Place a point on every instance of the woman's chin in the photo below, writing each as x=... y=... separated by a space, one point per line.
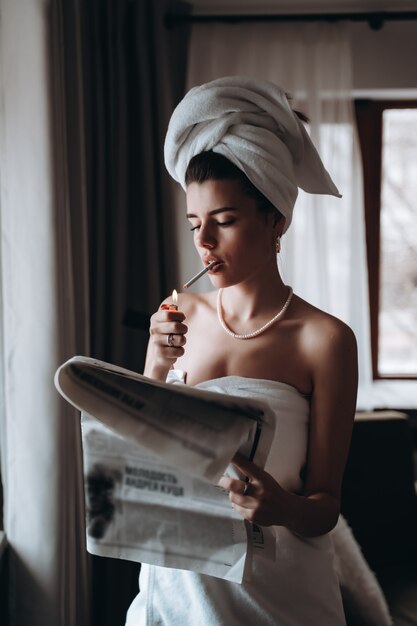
x=221 y=282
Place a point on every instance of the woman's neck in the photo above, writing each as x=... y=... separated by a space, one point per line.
x=256 y=297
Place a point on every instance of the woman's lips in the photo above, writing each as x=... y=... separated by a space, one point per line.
x=211 y=260
x=216 y=267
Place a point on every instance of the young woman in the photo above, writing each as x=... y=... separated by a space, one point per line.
x=241 y=153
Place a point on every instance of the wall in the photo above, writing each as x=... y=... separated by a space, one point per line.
x=384 y=60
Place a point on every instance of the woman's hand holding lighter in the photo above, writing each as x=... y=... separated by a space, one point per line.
x=167 y=340
x=167 y=334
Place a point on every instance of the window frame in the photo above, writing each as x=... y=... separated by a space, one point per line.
x=369 y=114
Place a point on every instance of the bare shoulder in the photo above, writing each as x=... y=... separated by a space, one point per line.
x=192 y=303
x=325 y=339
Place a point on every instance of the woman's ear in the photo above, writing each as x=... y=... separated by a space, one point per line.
x=279 y=224
x=279 y=219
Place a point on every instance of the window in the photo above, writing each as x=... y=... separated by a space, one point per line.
x=388 y=137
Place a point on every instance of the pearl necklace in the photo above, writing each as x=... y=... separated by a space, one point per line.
x=260 y=330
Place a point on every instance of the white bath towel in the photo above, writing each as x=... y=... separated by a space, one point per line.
x=251 y=123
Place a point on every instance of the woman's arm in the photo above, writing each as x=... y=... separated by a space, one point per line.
x=334 y=364
x=330 y=352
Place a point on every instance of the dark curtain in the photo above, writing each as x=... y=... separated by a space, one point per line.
x=134 y=76
x=134 y=71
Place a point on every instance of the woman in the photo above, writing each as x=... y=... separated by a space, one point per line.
x=241 y=153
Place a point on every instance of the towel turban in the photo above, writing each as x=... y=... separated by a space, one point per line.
x=251 y=123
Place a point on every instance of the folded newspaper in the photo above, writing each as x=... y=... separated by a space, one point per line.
x=153 y=454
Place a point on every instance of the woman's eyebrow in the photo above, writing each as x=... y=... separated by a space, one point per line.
x=216 y=211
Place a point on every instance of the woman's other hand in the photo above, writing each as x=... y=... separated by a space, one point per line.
x=259 y=499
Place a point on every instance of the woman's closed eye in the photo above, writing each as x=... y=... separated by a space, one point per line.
x=223 y=224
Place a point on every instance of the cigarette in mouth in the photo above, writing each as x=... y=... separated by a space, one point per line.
x=199 y=275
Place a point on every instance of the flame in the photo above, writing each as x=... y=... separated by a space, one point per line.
x=175 y=297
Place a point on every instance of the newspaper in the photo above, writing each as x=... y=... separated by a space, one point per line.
x=153 y=454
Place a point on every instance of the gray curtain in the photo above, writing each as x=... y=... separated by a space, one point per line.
x=131 y=67
x=134 y=74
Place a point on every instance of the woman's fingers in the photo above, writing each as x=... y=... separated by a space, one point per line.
x=252 y=471
x=162 y=315
x=170 y=339
x=228 y=483
x=167 y=335
x=258 y=498
x=164 y=328
x=168 y=330
x=236 y=487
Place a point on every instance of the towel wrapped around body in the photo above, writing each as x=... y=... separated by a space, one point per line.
x=291 y=581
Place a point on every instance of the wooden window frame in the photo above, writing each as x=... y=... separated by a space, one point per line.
x=369 y=123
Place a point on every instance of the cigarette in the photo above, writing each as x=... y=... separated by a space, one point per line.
x=199 y=275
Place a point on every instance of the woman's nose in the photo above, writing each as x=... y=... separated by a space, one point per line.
x=205 y=237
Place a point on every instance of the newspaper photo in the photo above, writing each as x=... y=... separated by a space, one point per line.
x=153 y=453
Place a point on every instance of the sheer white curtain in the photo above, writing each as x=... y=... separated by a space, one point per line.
x=324 y=255
x=41 y=324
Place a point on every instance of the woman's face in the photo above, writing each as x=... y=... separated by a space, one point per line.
x=228 y=227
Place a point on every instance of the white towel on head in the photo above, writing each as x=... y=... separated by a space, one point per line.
x=251 y=123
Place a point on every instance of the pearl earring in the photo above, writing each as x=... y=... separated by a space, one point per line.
x=278 y=244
